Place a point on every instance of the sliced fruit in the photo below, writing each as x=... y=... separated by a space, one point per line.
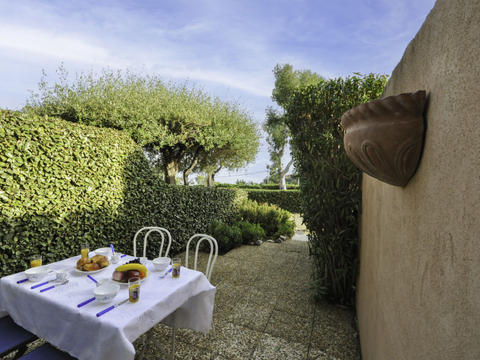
x=138 y=267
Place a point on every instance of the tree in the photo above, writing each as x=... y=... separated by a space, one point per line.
x=172 y=123
x=278 y=134
x=233 y=155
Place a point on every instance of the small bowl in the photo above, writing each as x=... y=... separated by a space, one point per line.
x=106 y=292
x=61 y=275
x=161 y=263
x=37 y=273
x=115 y=258
x=104 y=252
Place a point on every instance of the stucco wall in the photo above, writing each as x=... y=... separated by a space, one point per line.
x=419 y=284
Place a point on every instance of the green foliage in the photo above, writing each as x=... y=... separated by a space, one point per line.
x=61 y=183
x=330 y=183
x=227 y=236
x=250 y=232
x=176 y=124
x=278 y=134
x=265 y=186
x=269 y=217
x=285 y=199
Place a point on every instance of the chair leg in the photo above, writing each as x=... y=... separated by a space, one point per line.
x=173 y=343
x=213 y=328
x=146 y=342
x=20 y=352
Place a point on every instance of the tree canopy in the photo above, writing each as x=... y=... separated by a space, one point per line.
x=278 y=135
x=175 y=124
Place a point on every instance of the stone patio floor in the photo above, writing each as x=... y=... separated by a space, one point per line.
x=264 y=309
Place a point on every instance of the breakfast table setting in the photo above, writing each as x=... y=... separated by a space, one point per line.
x=99 y=313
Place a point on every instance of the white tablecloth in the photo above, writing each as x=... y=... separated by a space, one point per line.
x=54 y=315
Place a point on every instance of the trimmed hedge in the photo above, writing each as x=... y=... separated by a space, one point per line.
x=330 y=183
x=62 y=183
x=288 y=200
x=257 y=186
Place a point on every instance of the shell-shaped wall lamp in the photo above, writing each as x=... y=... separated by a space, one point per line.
x=384 y=137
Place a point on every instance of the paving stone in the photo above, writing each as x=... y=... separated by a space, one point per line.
x=270 y=347
x=290 y=327
x=250 y=315
x=296 y=302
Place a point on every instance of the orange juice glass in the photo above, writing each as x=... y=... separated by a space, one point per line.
x=134 y=289
x=176 y=265
x=36 y=260
x=85 y=249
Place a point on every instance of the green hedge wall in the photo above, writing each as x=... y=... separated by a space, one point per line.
x=287 y=200
x=329 y=182
x=61 y=183
x=257 y=186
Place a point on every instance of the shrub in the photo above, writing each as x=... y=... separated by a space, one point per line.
x=61 y=183
x=329 y=182
x=250 y=232
x=227 y=236
x=288 y=200
x=269 y=217
x=257 y=186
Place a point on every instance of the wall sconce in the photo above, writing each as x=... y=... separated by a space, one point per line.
x=384 y=138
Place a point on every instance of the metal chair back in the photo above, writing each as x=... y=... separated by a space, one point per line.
x=213 y=252
x=151 y=229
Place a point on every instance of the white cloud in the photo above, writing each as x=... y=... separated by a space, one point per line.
x=59 y=46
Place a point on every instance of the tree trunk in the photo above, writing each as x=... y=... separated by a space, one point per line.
x=191 y=167
x=211 y=177
x=283 y=173
x=210 y=180
x=171 y=170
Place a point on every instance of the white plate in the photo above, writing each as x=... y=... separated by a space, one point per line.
x=122 y=283
x=91 y=272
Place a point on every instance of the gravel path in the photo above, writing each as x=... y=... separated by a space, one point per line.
x=264 y=309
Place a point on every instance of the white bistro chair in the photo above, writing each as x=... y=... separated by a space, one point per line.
x=208 y=270
x=149 y=230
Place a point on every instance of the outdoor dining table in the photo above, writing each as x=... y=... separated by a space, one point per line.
x=186 y=302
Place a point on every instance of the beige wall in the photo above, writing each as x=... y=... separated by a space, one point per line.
x=419 y=285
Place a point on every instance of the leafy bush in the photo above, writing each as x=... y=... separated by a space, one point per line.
x=329 y=182
x=269 y=217
x=288 y=200
x=257 y=186
x=250 y=232
x=61 y=183
x=227 y=236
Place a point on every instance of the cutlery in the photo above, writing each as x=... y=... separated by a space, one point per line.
x=21 y=281
x=41 y=284
x=86 y=302
x=165 y=273
x=51 y=287
x=91 y=278
x=111 y=307
x=113 y=250
x=123 y=255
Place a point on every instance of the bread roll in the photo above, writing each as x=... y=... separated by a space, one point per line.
x=81 y=262
x=91 y=267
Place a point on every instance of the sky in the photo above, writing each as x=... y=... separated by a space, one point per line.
x=226 y=48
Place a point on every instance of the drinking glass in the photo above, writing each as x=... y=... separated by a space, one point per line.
x=84 y=250
x=134 y=289
x=36 y=260
x=176 y=264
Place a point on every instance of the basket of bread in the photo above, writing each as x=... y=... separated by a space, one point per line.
x=95 y=263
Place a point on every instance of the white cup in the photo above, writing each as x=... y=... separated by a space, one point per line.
x=61 y=275
x=115 y=258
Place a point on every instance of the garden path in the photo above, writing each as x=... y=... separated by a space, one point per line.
x=264 y=309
